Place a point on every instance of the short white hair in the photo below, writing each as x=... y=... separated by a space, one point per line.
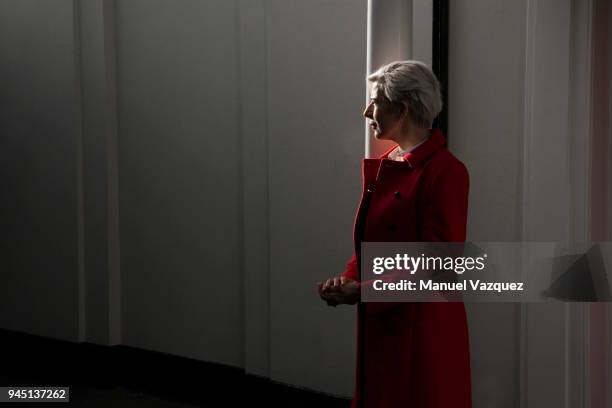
x=412 y=84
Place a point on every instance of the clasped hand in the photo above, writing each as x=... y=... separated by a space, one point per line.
x=339 y=290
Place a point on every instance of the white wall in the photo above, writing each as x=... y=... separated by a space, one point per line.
x=316 y=71
x=181 y=98
x=38 y=145
x=231 y=132
x=486 y=68
x=520 y=118
x=180 y=177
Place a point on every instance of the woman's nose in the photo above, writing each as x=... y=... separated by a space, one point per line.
x=367 y=113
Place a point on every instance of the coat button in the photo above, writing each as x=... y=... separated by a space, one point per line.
x=392 y=227
x=397 y=194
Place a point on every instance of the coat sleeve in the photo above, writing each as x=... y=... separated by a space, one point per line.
x=350 y=271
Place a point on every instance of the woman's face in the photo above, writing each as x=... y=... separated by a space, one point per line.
x=385 y=121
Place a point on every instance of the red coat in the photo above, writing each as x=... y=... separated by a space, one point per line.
x=412 y=354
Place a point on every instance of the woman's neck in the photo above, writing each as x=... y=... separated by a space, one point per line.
x=412 y=137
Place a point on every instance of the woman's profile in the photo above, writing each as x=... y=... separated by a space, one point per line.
x=408 y=354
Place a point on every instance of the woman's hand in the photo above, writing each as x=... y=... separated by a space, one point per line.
x=340 y=290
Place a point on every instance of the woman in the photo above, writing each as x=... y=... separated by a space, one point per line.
x=408 y=354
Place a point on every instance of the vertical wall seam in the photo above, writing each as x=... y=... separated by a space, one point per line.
x=111 y=133
x=268 y=220
x=570 y=159
x=78 y=131
x=531 y=23
x=241 y=186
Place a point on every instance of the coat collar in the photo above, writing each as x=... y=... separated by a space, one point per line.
x=422 y=152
